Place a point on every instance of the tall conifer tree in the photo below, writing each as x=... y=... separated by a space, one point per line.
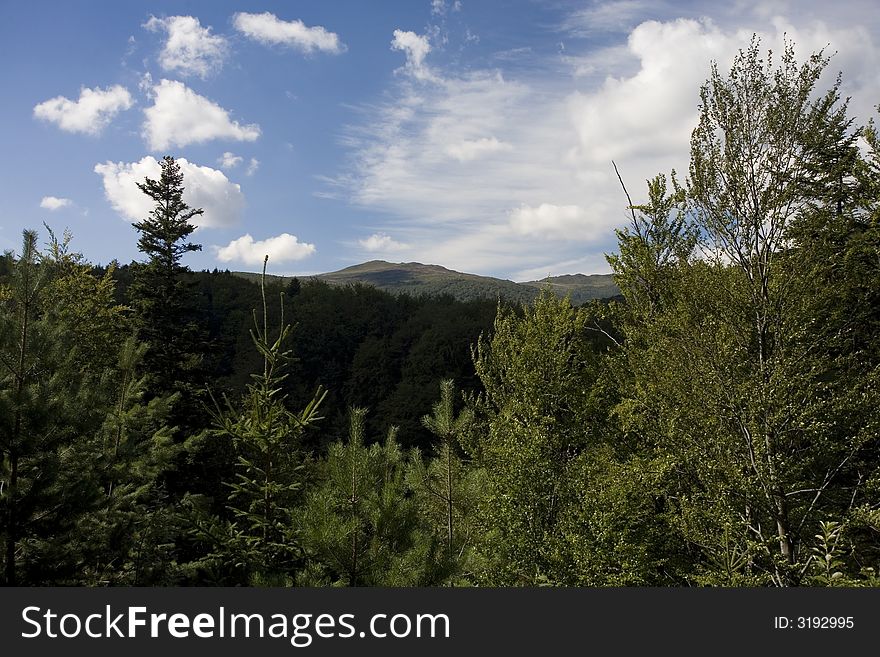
x=158 y=293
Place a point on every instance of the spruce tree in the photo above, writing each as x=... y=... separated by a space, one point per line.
x=158 y=293
x=128 y=540
x=169 y=222
x=17 y=397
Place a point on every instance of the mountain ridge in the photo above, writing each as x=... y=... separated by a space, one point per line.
x=416 y=278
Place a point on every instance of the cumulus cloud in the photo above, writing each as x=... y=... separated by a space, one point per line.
x=190 y=49
x=204 y=187
x=380 y=242
x=415 y=47
x=53 y=203
x=281 y=248
x=252 y=167
x=472 y=149
x=229 y=160
x=614 y=121
x=90 y=113
x=268 y=29
x=179 y=117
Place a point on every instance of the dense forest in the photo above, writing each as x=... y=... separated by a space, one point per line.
x=717 y=424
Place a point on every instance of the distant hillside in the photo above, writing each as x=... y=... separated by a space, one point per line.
x=581 y=287
x=415 y=278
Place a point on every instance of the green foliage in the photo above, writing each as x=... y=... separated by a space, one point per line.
x=129 y=540
x=716 y=425
x=659 y=238
x=447 y=491
x=733 y=379
x=386 y=353
x=537 y=373
x=570 y=498
x=827 y=554
x=266 y=437
x=32 y=399
x=158 y=293
x=84 y=303
x=617 y=531
x=359 y=526
x=81 y=453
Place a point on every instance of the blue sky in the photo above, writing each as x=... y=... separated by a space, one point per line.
x=477 y=135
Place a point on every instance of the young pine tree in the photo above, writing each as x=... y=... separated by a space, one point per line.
x=267 y=438
x=447 y=490
x=360 y=527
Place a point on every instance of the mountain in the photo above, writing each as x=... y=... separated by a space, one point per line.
x=415 y=278
x=581 y=287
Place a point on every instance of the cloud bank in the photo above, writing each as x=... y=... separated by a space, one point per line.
x=511 y=173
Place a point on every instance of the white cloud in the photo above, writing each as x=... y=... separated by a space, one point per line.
x=415 y=47
x=252 y=167
x=54 y=203
x=550 y=221
x=90 y=114
x=380 y=242
x=559 y=134
x=145 y=84
x=281 y=248
x=179 y=117
x=472 y=149
x=204 y=187
x=609 y=16
x=268 y=29
x=190 y=48
x=229 y=160
x=442 y=7
x=649 y=115
x=403 y=152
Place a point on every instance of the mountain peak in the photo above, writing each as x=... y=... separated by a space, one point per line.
x=418 y=278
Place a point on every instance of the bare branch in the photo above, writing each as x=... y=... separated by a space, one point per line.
x=628 y=198
x=599 y=329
